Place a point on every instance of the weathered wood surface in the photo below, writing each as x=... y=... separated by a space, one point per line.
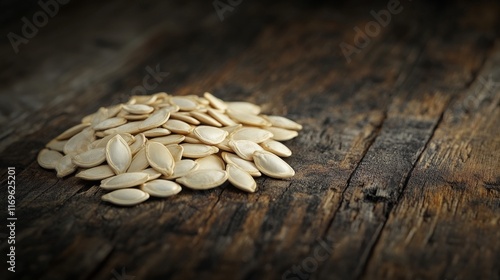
x=398 y=169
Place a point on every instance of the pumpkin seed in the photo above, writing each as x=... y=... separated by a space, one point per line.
x=118 y=154
x=272 y=165
x=246 y=165
x=65 y=166
x=282 y=134
x=282 y=122
x=96 y=173
x=138 y=109
x=254 y=134
x=49 y=159
x=160 y=158
x=276 y=148
x=126 y=197
x=240 y=179
x=210 y=162
x=170 y=139
x=161 y=188
x=124 y=180
x=110 y=123
x=139 y=161
x=178 y=126
x=244 y=148
x=70 y=132
x=203 y=179
x=198 y=150
x=183 y=167
x=90 y=158
x=210 y=135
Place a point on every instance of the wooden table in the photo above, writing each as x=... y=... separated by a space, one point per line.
x=398 y=169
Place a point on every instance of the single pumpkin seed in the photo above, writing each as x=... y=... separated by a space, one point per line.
x=124 y=180
x=49 y=159
x=244 y=148
x=279 y=121
x=139 y=161
x=198 y=150
x=65 y=166
x=126 y=197
x=282 y=134
x=118 y=154
x=254 y=134
x=138 y=109
x=110 y=123
x=160 y=158
x=214 y=101
x=246 y=165
x=211 y=162
x=170 y=139
x=90 y=158
x=96 y=173
x=240 y=179
x=161 y=188
x=203 y=179
x=272 y=165
x=157 y=132
x=210 y=135
x=182 y=168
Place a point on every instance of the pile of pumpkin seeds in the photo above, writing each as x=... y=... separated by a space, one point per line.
x=153 y=144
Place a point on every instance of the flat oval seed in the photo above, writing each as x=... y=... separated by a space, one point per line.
x=211 y=162
x=157 y=132
x=246 y=165
x=232 y=128
x=240 y=179
x=124 y=180
x=70 y=132
x=176 y=151
x=159 y=158
x=152 y=173
x=170 y=139
x=272 y=165
x=243 y=107
x=254 y=134
x=90 y=158
x=80 y=142
x=96 y=173
x=244 y=148
x=56 y=145
x=138 y=109
x=248 y=119
x=161 y=188
x=221 y=117
x=279 y=121
x=139 y=143
x=139 y=161
x=185 y=104
x=118 y=154
x=210 y=135
x=126 y=197
x=276 y=148
x=206 y=119
x=131 y=127
x=203 y=179
x=182 y=168
x=177 y=126
x=132 y=117
x=185 y=117
x=214 y=101
x=281 y=134
x=49 y=159
x=65 y=166
x=198 y=150
x=156 y=119
x=110 y=123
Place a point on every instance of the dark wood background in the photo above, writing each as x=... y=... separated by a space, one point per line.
x=398 y=169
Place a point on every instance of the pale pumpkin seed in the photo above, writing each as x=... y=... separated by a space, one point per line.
x=49 y=159
x=118 y=154
x=159 y=158
x=124 y=180
x=126 y=197
x=203 y=179
x=272 y=165
x=240 y=179
x=161 y=188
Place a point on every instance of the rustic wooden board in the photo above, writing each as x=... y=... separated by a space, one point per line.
x=398 y=165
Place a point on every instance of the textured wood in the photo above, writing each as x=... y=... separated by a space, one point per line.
x=397 y=166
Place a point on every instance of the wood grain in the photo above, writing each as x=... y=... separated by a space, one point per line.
x=397 y=165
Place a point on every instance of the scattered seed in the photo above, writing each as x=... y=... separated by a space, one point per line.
x=159 y=158
x=90 y=158
x=210 y=135
x=240 y=179
x=282 y=134
x=126 y=197
x=203 y=179
x=96 y=173
x=125 y=180
x=161 y=188
x=272 y=165
x=118 y=154
x=49 y=159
